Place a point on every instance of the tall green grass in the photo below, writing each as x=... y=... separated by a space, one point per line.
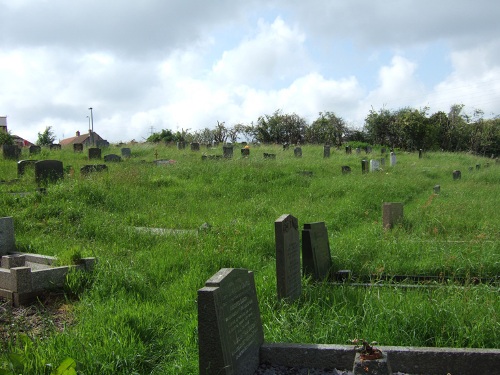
x=138 y=314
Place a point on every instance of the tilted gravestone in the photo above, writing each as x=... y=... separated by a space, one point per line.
x=77 y=147
x=316 y=257
x=7 y=240
x=126 y=152
x=11 y=152
x=112 y=158
x=230 y=330
x=227 y=151
x=48 y=171
x=35 y=150
x=288 y=273
x=86 y=169
x=297 y=151
x=94 y=153
x=326 y=151
x=392 y=213
x=22 y=165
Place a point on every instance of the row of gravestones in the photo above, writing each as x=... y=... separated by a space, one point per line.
x=13 y=152
x=52 y=170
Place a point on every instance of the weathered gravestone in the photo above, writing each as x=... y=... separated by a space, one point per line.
x=245 y=152
x=227 y=151
x=269 y=156
x=288 y=273
x=326 y=151
x=86 y=169
x=348 y=150
x=55 y=147
x=94 y=153
x=420 y=153
x=11 y=152
x=382 y=162
x=393 y=159
x=358 y=150
x=77 y=147
x=48 y=171
x=297 y=151
x=126 y=152
x=457 y=175
x=346 y=169
x=112 y=158
x=195 y=146
x=392 y=213
x=374 y=165
x=364 y=166
x=101 y=143
x=22 y=165
x=181 y=145
x=229 y=325
x=316 y=257
x=437 y=189
x=35 y=150
x=7 y=240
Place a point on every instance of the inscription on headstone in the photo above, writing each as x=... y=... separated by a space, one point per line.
x=288 y=273
x=316 y=257
x=230 y=330
x=392 y=213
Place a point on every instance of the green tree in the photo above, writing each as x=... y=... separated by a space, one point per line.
x=165 y=135
x=328 y=128
x=46 y=138
x=6 y=138
x=380 y=127
x=280 y=128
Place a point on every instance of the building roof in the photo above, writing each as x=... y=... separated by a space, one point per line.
x=78 y=139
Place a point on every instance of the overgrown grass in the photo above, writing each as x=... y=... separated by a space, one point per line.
x=138 y=314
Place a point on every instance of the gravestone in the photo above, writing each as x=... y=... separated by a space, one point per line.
x=348 y=150
x=478 y=167
x=286 y=146
x=101 y=143
x=326 y=151
x=181 y=145
x=77 y=147
x=227 y=151
x=94 y=153
x=393 y=159
x=126 y=152
x=195 y=146
x=358 y=150
x=374 y=165
x=22 y=165
x=437 y=189
x=7 y=240
x=297 y=151
x=112 y=158
x=392 y=213
x=230 y=330
x=316 y=257
x=457 y=175
x=269 y=156
x=55 y=147
x=382 y=162
x=420 y=153
x=382 y=150
x=35 y=150
x=288 y=273
x=48 y=171
x=346 y=169
x=245 y=152
x=364 y=166
x=11 y=152
x=368 y=150
x=86 y=169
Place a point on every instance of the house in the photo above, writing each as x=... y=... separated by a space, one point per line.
x=89 y=139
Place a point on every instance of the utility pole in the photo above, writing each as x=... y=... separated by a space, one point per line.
x=92 y=131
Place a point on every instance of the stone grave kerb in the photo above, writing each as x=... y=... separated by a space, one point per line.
x=288 y=267
x=230 y=330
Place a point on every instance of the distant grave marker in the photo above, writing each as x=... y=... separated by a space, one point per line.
x=227 y=151
x=457 y=175
x=35 y=150
x=48 y=171
x=297 y=151
x=392 y=213
x=195 y=146
x=346 y=169
x=269 y=156
x=86 y=169
x=374 y=165
x=393 y=159
x=245 y=152
x=11 y=152
x=364 y=166
x=126 y=152
x=437 y=189
x=181 y=145
x=316 y=257
x=77 y=147
x=420 y=154
x=288 y=273
x=112 y=158
x=94 y=153
x=326 y=151
x=230 y=330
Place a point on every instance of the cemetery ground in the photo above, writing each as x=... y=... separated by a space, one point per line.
x=137 y=313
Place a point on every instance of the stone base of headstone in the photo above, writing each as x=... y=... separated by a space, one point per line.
x=371 y=367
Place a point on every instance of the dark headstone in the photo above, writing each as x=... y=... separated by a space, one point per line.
x=348 y=150
x=126 y=152
x=285 y=146
x=101 y=143
x=392 y=213
x=230 y=330
x=94 y=153
x=420 y=153
x=316 y=257
x=364 y=166
x=437 y=189
x=326 y=151
x=55 y=147
x=346 y=169
x=35 y=150
x=227 y=151
x=457 y=175
x=7 y=238
x=478 y=166
x=382 y=150
x=358 y=150
x=269 y=156
x=112 y=158
x=48 y=171
x=368 y=150
x=22 y=165
x=77 y=147
x=297 y=151
x=181 y=145
x=245 y=152
x=195 y=146
x=11 y=152
x=288 y=273
x=86 y=169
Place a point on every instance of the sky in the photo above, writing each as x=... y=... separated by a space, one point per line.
x=148 y=65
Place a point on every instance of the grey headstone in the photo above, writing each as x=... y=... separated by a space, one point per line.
x=101 y=143
x=393 y=159
x=77 y=147
x=195 y=146
x=7 y=240
x=392 y=213
x=94 y=153
x=48 y=171
x=23 y=164
x=326 y=151
x=126 y=152
x=86 y=169
x=457 y=175
x=297 y=151
x=227 y=151
x=35 y=150
x=55 y=147
x=316 y=257
x=288 y=273
x=245 y=152
x=11 y=152
x=437 y=189
x=112 y=158
x=374 y=165
x=230 y=330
